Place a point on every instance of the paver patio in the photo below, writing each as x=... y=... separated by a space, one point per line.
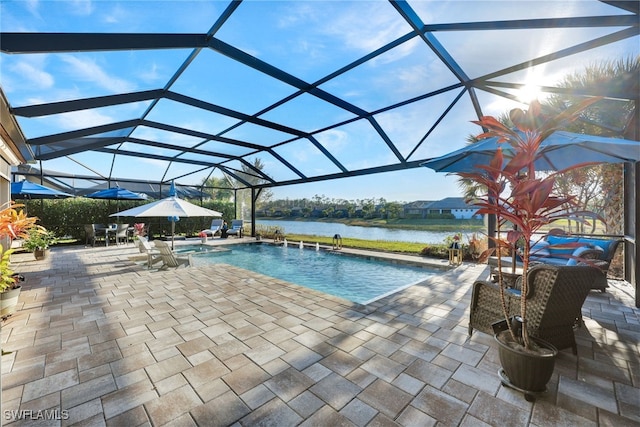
x=104 y=341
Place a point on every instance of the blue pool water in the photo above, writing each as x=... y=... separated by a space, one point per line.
x=354 y=278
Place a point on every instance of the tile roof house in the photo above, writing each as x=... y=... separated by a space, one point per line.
x=455 y=206
x=417 y=208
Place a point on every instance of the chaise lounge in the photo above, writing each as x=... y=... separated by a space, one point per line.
x=214 y=228
x=237 y=228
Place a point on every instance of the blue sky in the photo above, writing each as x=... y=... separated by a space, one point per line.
x=307 y=39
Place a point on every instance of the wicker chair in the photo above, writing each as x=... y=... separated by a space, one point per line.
x=556 y=295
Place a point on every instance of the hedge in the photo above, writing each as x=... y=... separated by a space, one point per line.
x=66 y=217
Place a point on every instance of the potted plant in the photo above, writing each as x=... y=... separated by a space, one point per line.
x=522 y=198
x=38 y=241
x=14 y=223
x=203 y=236
x=138 y=229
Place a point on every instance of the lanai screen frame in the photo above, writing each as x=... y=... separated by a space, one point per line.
x=52 y=146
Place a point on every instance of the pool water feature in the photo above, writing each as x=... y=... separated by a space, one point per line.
x=358 y=279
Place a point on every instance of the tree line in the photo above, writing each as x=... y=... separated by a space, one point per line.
x=325 y=207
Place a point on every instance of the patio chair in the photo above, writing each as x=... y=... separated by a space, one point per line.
x=169 y=258
x=122 y=233
x=89 y=235
x=554 y=304
x=236 y=229
x=153 y=256
x=92 y=234
x=214 y=228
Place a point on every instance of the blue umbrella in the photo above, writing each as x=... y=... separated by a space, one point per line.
x=557 y=152
x=117 y=193
x=29 y=190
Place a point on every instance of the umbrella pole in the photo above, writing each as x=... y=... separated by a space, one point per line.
x=173 y=230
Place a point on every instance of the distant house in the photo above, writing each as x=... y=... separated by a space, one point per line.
x=416 y=209
x=455 y=206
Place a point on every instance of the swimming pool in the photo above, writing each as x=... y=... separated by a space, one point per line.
x=357 y=279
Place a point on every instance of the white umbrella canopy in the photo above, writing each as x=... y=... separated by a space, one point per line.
x=171 y=207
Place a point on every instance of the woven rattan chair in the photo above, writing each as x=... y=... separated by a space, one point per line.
x=556 y=295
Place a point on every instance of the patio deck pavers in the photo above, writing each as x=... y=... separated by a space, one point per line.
x=105 y=341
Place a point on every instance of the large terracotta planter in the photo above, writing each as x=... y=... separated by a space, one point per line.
x=526 y=371
x=8 y=302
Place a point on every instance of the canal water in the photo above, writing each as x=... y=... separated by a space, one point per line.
x=356 y=232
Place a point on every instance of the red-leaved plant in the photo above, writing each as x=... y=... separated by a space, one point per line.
x=138 y=229
x=519 y=196
x=14 y=223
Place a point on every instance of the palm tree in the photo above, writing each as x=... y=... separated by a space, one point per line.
x=252 y=177
x=611 y=117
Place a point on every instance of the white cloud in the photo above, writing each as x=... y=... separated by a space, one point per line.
x=150 y=74
x=116 y=15
x=32 y=6
x=300 y=14
x=88 y=70
x=34 y=75
x=333 y=140
x=81 y=7
x=357 y=28
x=367 y=29
x=82 y=119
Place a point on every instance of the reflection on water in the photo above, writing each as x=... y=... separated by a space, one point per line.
x=357 y=279
x=356 y=232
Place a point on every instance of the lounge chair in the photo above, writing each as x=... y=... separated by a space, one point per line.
x=554 y=304
x=169 y=258
x=237 y=228
x=214 y=228
x=153 y=256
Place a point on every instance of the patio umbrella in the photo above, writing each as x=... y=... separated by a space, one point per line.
x=557 y=152
x=117 y=193
x=171 y=207
x=30 y=190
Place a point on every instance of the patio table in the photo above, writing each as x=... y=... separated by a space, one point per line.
x=110 y=229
